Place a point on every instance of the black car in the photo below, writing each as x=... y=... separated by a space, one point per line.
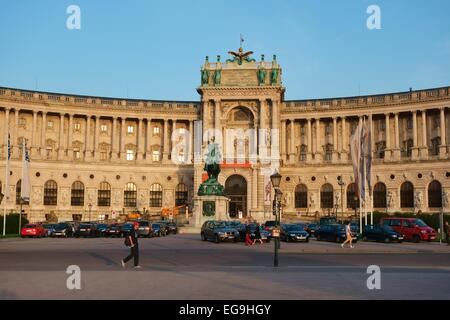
x=172 y=228
x=218 y=231
x=101 y=229
x=113 y=230
x=333 y=232
x=164 y=227
x=49 y=227
x=269 y=225
x=311 y=229
x=86 y=230
x=65 y=230
x=381 y=233
x=158 y=230
x=241 y=228
x=126 y=228
x=294 y=232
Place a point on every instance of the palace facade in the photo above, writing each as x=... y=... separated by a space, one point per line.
x=94 y=157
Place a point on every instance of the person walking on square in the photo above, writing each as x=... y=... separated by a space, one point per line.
x=447 y=232
x=131 y=241
x=348 y=232
x=257 y=234
x=248 y=239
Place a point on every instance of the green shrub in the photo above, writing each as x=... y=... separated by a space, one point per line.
x=12 y=223
x=431 y=219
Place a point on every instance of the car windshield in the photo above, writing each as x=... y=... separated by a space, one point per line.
x=62 y=225
x=30 y=226
x=312 y=226
x=101 y=226
x=293 y=227
x=143 y=224
x=270 y=224
x=420 y=223
x=156 y=226
x=386 y=228
x=219 y=225
x=84 y=226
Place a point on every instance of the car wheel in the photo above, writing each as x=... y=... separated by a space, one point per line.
x=416 y=239
x=287 y=239
x=204 y=237
x=217 y=239
x=307 y=240
x=236 y=240
x=387 y=240
x=338 y=240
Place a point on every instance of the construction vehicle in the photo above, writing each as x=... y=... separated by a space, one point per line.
x=171 y=212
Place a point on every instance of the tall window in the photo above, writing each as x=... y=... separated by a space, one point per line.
x=104 y=128
x=156 y=156
x=77 y=126
x=156 y=196
x=326 y=196
x=130 y=155
x=104 y=195
x=435 y=144
x=50 y=193
x=380 y=195
x=130 y=129
x=18 y=192
x=435 y=195
x=77 y=194
x=407 y=195
x=380 y=149
x=303 y=152
x=156 y=130
x=407 y=148
x=328 y=152
x=130 y=195
x=181 y=195
x=352 y=199
x=301 y=197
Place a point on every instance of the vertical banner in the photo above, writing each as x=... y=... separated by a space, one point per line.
x=267 y=190
x=25 y=187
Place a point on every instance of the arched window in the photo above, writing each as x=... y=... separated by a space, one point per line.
x=352 y=196
x=181 y=195
x=435 y=195
x=407 y=195
x=19 y=192
x=301 y=196
x=130 y=195
x=156 y=196
x=104 y=195
x=77 y=194
x=50 y=193
x=380 y=195
x=326 y=196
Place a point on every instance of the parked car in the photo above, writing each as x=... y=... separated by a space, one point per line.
x=412 y=229
x=311 y=229
x=158 y=230
x=381 y=233
x=33 y=230
x=86 y=230
x=269 y=225
x=163 y=227
x=327 y=220
x=63 y=230
x=172 y=228
x=113 y=230
x=333 y=232
x=101 y=229
x=145 y=229
x=126 y=228
x=49 y=228
x=293 y=232
x=241 y=228
x=218 y=231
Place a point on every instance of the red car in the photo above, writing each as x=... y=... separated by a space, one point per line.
x=411 y=228
x=33 y=230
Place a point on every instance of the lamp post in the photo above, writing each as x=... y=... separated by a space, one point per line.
x=341 y=184
x=90 y=207
x=21 y=201
x=276 y=180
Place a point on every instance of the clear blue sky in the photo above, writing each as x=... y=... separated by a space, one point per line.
x=154 y=49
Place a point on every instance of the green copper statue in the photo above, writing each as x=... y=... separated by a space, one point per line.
x=274 y=76
x=205 y=77
x=262 y=76
x=212 y=187
x=217 y=77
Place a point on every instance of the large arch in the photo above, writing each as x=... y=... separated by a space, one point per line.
x=50 y=193
x=380 y=195
x=301 y=196
x=236 y=190
x=352 y=196
x=435 y=194
x=327 y=196
x=407 y=195
x=77 y=194
x=104 y=194
x=130 y=195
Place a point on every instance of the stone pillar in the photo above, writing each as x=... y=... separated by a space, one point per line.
x=217 y=115
x=255 y=189
x=191 y=141
x=424 y=148
x=140 y=141
x=372 y=136
x=114 y=140
x=415 y=149
x=344 y=141
x=34 y=138
x=123 y=155
x=335 y=141
x=97 y=138
x=283 y=140
x=166 y=141
x=292 y=152
x=309 y=154
x=148 y=156
x=275 y=150
x=388 y=151
x=43 y=133
x=61 y=137
x=14 y=140
x=262 y=134
x=396 y=154
x=87 y=139
x=70 y=138
x=6 y=130
x=319 y=154
x=443 y=147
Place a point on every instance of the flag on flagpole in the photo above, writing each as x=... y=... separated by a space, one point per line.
x=8 y=158
x=355 y=152
x=25 y=187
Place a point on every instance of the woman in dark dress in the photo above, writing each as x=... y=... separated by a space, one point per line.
x=258 y=234
x=248 y=239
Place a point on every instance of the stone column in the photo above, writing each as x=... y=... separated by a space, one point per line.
x=415 y=149
x=140 y=141
x=262 y=134
x=191 y=141
x=70 y=138
x=255 y=189
x=34 y=137
x=443 y=147
x=424 y=148
x=87 y=139
x=372 y=136
x=292 y=152
x=97 y=138
x=217 y=114
x=14 y=140
x=335 y=141
x=114 y=140
x=43 y=133
x=283 y=140
x=148 y=156
x=123 y=155
x=61 y=137
x=275 y=134
x=309 y=154
x=344 y=141
x=6 y=130
x=319 y=154
x=388 y=150
x=396 y=154
x=166 y=142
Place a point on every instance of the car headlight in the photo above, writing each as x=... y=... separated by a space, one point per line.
x=394 y=236
x=221 y=233
x=423 y=231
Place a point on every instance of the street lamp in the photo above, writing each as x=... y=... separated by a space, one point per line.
x=341 y=184
x=276 y=180
x=90 y=207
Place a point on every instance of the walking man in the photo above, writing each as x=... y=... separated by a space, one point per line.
x=131 y=241
x=258 y=234
x=348 y=232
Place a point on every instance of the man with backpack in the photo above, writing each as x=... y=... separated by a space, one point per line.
x=131 y=241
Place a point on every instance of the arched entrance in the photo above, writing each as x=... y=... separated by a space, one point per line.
x=236 y=191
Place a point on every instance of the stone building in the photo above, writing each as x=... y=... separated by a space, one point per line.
x=97 y=157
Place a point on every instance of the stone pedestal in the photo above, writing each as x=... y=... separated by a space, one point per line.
x=210 y=208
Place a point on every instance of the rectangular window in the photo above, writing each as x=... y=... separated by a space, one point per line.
x=130 y=129
x=409 y=124
x=104 y=128
x=130 y=155
x=382 y=125
x=77 y=154
x=49 y=124
x=155 y=156
x=22 y=122
x=49 y=153
x=103 y=156
x=302 y=130
x=77 y=126
x=328 y=129
x=156 y=130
